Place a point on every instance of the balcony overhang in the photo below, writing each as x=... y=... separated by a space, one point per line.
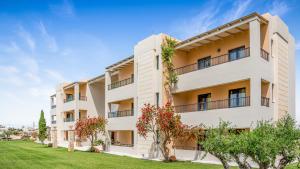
x=121 y=64
x=100 y=78
x=71 y=85
x=228 y=29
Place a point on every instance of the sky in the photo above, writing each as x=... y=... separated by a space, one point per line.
x=43 y=43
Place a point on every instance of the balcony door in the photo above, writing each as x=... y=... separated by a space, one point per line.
x=237 y=97
x=204 y=62
x=236 y=53
x=203 y=101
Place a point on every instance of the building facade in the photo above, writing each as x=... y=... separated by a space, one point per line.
x=242 y=72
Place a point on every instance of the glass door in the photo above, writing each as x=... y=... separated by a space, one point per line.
x=236 y=53
x=237 y=97
x=203 y=101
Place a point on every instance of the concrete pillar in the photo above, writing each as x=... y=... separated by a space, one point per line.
x=254 y=33
x=255 y=92
x=255 y=49
x=54 y=138
x=71 y=140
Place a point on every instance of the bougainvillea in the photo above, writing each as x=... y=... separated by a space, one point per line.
x=89 y=128
x=162 y=122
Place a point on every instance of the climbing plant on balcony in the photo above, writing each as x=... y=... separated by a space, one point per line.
x=167 y=53
x=89 y=128
x=164 y=125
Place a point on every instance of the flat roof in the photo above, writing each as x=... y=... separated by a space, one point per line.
x=97 y=78
x=128 y=59
x=220 y=28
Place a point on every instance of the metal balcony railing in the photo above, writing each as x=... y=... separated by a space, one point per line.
x=69 y=99
x=70 y=119
x=218 y=104
x=53 y=106
x=121 y=83
x=83 y=98
x=264 y=54
x=265 y=101
x=122 y=113
x=53 y=122
x=212 y=62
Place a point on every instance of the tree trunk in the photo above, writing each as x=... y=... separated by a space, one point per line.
x=242 y=164
x=224 y=163
x=92 y=143
x=283 y=163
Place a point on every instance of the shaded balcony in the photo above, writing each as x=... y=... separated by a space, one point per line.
x=232 y=95
x=123 y=138
x=121 y=108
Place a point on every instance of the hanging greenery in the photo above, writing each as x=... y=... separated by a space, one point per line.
x=167 y=52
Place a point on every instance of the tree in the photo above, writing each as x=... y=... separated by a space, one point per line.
x=217 y=143
x=42 y=128
x=288 y=140
x=164 y=125
x=89 y=128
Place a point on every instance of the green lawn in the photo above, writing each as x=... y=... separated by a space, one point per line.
x=21 y=154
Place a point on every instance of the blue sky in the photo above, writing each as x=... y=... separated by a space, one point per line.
x=45 y=42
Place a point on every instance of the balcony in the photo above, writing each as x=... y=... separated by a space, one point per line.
x=69 y=99
x=53 y=106
x=122 y=113
x=53 y=122
x=124 y=138
x=265 y=101
x=70 y=119
x=211 y=105
x=121 y=83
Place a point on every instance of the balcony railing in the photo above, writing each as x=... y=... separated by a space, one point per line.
x=120 y=83
x=68 y=99
x=70 y=119
x=53 y=106
x=83 y=98
x=265 y=101
x=218 y=104
x=264 y=54
x=53 y=122
x=212 y=62
x=122 y=113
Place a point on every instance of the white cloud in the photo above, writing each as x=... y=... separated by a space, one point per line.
x=50 y=40
x=9 y=69
x=210 y=15
x=279 y=8
x=55 y=75
x=201 y=22
x=26 y=36
x=66 y=9
x=238 y=9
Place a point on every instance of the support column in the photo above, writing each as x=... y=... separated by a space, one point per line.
x=254 y=33
x=71 y=140
x=54 y=138
x=255 y=92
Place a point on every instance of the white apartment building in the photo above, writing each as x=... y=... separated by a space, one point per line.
x=242 y=72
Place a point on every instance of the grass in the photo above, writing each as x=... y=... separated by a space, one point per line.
x=21 y=154
x=29 y=155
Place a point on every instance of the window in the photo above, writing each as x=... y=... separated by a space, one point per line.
x=157 y=99
x=236 y=53
x=204 y=62
x=203 y=101
x=237 y=97
x=132 y=137
x=157 y=62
